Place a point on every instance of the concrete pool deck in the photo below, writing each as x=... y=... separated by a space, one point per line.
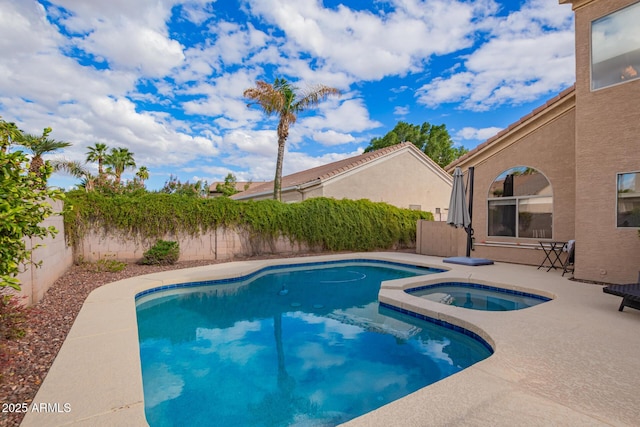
x=571 y=361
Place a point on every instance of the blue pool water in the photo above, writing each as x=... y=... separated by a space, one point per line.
x=478 y=297
x=295 y=346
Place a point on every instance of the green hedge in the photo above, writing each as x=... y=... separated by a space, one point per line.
x=324 y=224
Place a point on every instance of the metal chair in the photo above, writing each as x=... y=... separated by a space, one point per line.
x=569 y=261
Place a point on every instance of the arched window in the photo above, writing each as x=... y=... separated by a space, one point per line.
x=520 y=204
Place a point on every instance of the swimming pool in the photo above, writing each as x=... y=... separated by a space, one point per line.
x=304 y=344
x=477 y=296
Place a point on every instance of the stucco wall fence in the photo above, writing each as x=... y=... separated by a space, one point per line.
x=219 y=244
x=54 y=253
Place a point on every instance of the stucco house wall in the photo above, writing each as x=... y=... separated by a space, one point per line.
x=400 y=175
x=404 y=180
x=580 y=140
x=544 y=140
x=607 y=143
x=550 y=150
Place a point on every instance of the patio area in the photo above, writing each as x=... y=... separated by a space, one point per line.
x=570 y=361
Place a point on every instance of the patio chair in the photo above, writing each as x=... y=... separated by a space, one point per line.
x=630 y=294
x=568 y=262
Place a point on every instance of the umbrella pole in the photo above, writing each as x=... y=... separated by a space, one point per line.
x=470 y=228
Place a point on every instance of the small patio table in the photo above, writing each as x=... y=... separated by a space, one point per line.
x=552 y=251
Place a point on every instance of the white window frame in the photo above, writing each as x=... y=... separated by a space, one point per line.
x=517 y=200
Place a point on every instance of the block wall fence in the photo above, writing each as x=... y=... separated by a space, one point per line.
x=57 y=256
x=219 y=244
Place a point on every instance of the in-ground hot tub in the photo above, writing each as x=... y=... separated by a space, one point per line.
x=477 y=296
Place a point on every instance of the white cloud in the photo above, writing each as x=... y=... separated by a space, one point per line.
x=370 y=46
x=255 y=153
x=401 y=110
x=470 y=133
x=329 y=77
x=131 y=47
x=197 y=12
x=230 y=344
x=522 y=60
x=24 y=29
x=128 y=35
x=227 y=44
x=261 y=142
x=350 y=115
x=161 y=384
x=122 y=73
x=331 y=137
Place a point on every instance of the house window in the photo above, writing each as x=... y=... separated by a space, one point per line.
x=629 y=199
x=615 y=48
x=520 y=204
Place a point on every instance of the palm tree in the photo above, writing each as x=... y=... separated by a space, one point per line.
x=143 y=174
x=120 y=159
x=39 y=146
x=77 y=170
x=283 y=99
x=97 y=153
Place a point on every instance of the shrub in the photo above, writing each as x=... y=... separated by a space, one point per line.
x=23 y=208
x=110 y=265
x=163 y=252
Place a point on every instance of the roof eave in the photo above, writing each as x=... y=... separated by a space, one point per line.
x=297 y=187
x=576 y=4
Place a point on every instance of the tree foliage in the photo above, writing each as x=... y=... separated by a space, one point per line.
x=286 y=101
x=118 y=160
x=39 y=146
x=322 y=223
x=433 y=140
x=23 y=207
x=142 y=174
x=228 y=188
x=98 y=153
x=9 y=133
x=107 y=181
x=174 y=186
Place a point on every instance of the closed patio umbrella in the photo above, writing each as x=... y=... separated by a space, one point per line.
x=461 y=216
x=458 y=215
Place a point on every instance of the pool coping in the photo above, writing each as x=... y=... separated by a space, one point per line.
x=530 y=378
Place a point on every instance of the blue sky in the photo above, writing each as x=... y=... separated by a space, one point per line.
x=165 y=78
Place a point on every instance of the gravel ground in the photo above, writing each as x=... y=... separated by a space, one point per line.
x=25 y=361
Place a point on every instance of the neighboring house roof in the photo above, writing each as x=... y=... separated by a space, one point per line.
x=240 y=186
x=321 y=174
x=552 y=109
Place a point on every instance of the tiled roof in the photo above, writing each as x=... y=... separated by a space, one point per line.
x=497 y=137
x=324 y=172
x=240 y=186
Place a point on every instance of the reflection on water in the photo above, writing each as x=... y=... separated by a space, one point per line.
x=321 y=354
